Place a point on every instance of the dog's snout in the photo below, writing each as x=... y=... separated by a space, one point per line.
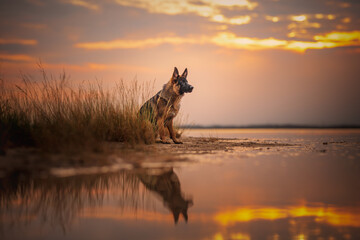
x=191 y=88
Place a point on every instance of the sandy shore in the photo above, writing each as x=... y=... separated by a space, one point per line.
x=118 y=156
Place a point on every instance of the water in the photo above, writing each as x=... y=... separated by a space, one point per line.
x=309 y=190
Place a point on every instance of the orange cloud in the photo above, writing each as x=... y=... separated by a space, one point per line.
x=233 y=3
x=123 y=43
x=331 y=16
x=233 y=21
x=299 y=18
x=18 y=41
x=86 y=67
x=98 y=66
x=272 y=18
x=84 y=4
x=346 y=20
x=331 y=40
x=206 y=8
x=15 y=62
x=300 y=25
x=319 y=16
x=230 y=40
x=34 y=26
x=16 y=57
x=302 y=46
x=349 y=37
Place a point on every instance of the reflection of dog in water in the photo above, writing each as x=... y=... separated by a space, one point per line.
x=167 y=185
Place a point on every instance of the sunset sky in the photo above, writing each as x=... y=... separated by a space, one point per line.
x=250 y=61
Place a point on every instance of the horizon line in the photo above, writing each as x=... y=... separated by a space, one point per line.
x=231 y=126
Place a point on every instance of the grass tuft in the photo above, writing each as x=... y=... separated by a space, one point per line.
x=53 y=115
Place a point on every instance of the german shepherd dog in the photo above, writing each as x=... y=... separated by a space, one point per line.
x=164 y=106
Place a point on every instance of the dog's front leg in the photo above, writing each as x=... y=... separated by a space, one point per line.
x=160 y=125
x=172 y=132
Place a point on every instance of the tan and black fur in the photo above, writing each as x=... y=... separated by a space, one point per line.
x=162 y=108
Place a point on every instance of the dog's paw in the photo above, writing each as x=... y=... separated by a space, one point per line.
x=178 y=142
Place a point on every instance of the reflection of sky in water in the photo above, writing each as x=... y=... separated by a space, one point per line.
x=247 y=194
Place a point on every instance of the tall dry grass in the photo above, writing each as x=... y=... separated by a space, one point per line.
x=54 y=115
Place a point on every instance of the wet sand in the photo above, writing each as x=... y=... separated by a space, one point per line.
x=117 y=156
x=195 y=148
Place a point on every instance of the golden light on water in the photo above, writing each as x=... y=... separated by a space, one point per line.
x=349 y=217
x=329 y=215
x=218 y=236
x=300 y=237
x=240 y=236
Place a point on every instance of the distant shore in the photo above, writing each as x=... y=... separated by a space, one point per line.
x=267 y=126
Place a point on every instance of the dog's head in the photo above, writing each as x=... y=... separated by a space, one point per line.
x=180 y=83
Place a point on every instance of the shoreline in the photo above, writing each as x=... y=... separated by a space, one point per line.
x=200 y=145
x=29 y=161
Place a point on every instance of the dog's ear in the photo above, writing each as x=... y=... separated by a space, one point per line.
x=184 y=75
x=175 y=74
